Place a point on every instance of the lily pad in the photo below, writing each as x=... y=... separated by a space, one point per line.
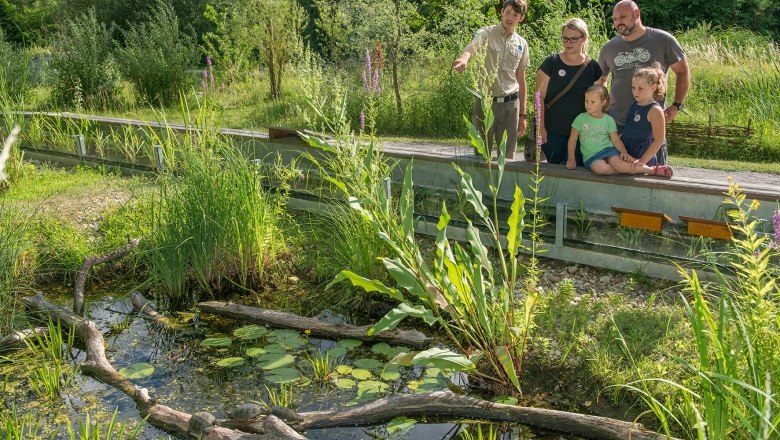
x=291 y=343
x=250 y=332
x=137 y=371
x=274 y=348
x=336 y=351
x=370 y=364
x=345 y=383
x=350 y=343
x=231 y=362
x=390 y=372
x=270 y=361
x=400 y=425
x=433 y=372
x=371 y=387
x=361 y=374
x=382 y=348
x=280 y=334
x=216 y=342
x=283 y=375
x=343 y=369
x=256 y=351
x=431 y=384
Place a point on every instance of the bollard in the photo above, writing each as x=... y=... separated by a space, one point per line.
x=560 y=223
x=81 y=146
x=387 y=187
x=158 y=154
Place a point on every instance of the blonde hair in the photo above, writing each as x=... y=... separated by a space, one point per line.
x=655 y=76
x=579 y=25
x=603 y=92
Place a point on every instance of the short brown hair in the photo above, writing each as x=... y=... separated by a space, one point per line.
x=603 y=92
x=519 y=6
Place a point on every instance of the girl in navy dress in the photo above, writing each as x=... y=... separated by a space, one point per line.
x=645 y=130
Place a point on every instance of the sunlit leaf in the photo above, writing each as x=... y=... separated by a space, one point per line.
x=345 y=383
x=283 y=375
x=270 y=361
x=343 y=369
x=250 y=332
x=350 y=343
x=400 y=425
x=369 y=364
x=255 y=351
x=444 y=359
x=507 y=363
x=336 y=351
x=216 y=342
x=390 y=372
x=371 y=387
x=366 y=284
x=231 y=362
x=361 y=374
x=137 y=371
x=506 y=400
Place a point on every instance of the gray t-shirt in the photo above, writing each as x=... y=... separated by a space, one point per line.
x=622 y=58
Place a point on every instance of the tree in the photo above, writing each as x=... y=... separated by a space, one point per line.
x=274 y=28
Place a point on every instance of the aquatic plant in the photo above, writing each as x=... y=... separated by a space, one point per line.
x=14 y=426
x=114 y=430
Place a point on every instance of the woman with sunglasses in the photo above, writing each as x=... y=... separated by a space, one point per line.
x=561 y=81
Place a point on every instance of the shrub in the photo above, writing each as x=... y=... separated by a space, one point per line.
x=86 y=73
x=13 y=70
x=157 y=55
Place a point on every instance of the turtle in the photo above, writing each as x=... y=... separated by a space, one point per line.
x=247 y=413
x=200 y=422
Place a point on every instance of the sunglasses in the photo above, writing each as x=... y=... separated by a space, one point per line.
x=570 y=40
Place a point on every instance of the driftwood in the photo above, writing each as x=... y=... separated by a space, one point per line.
x=446 y=405
x=146 y=309
x=18 y=337
x=318 y=328
x=89 y=263
x=158 y=415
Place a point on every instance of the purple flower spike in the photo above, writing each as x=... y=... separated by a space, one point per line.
x=776 y=224
x=205 y=74
x=208 y=61
x=375 y=82
x=362 y=121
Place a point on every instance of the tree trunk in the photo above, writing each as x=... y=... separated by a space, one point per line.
x=89 y=263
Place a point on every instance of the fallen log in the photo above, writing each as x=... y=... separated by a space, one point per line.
x=446 y=405
x=89 y=263
x=97 y=365
x=146 y=309
x=317 y=327
x=18 y=337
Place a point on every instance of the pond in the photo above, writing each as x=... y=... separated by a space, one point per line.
x=207 y=363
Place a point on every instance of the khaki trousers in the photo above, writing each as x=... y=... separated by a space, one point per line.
x=505 y=118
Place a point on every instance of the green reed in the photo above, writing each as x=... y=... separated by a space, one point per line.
x=111 y=430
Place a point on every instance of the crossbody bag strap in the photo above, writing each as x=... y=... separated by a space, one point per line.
x=570 y=85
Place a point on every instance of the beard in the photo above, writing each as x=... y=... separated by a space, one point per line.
x=627 y=29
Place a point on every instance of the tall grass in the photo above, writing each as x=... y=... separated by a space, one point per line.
x=213 y=225
x=17 y=260
x=736 y=329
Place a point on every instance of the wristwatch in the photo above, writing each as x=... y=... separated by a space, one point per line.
x=679 y=105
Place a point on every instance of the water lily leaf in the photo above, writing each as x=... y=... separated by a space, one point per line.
x=292 y=343
x=370 y=364
x=274 y=348
x=270 y=361
x=382 y=348
x=506 y=400
x=231 y=362
x=400 y=425
x=336 y=351
x=216 y=342
x=361 y=374
x=431 y=384
x=280 y=334
x=371 y=387
x=403 y=359
x=414 y=384
x=390 y=372
x=250 y=332
x=137 y=371
x=350 y=343
x=343 y=369
x=283 y=375
x=433 y=372
x=345 y=383
x=255 y=351
x=444 y=359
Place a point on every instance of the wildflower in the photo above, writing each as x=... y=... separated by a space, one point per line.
x=538 y=122
x=208 y=61
x=362 y=121
x=776 y=224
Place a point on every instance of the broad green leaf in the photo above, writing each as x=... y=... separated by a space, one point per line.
x=406 y=204
x=507 y=363
x=349 y=343
x=270 y=361
x=345 y=383
x=391 y=372
x=292 y=343
x=478 y=249
x=472 y=195
x=430 y=384
x=137 y=371
x=343 y=369
x=255 y=351
x=403 y=359
x=444 y=359
x=400 y=425
x=371 y=387
x=366 y=284
x=361 y=374
x=231 y=362
x=476 y=139
x=398 y=314
x=316 y=142
x=336 y=351
x=282 y=375
x=405 y=277
x=441 y=227
x=369 y=364
x=250 y=332
x=216 y=342
x=506 y=400
x=382 y=348
x=280 y=334
x=274 y=348
x=433 y=372
x=516 y=223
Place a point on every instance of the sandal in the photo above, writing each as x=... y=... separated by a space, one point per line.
x=663 y=170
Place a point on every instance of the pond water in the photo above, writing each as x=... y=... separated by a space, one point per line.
x=186 y=375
